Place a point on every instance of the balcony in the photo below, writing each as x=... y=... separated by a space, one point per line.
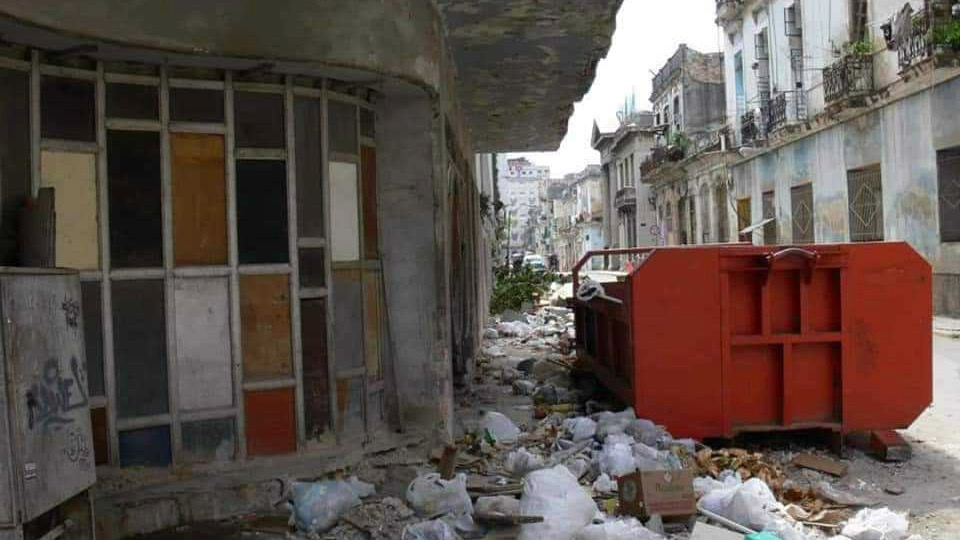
x=913 y=41
x=850 y=78
x=728 y=9
x=786 y=108
x=626 y=196
x=657 y=157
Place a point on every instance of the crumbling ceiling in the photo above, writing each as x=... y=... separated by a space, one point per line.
x=521 y=65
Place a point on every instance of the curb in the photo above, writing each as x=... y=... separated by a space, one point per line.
x=943 y=326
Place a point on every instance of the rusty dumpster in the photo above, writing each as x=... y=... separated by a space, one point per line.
x=717 y=340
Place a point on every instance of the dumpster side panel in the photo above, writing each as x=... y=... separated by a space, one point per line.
x=677 y=348
x=888 y=372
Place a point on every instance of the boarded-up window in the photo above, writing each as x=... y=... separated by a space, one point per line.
x=316 y=380
x=259 y=120
x=147 y=447
x=312 y=268
x=371 y=207
x=948 y=180
x=204 y=362
x=769 y=212
x=262 y=211
x=271 y=426
x=15 y=183
x=134 y=101
x=309 y=169
x=344 y=212
x=744 y=217
x=865 y=194
x=801 y=204
x=133 y=170
x=372 y=330
x=342 y=127
x=73 y=177
x=197 y=165
x=265 y=327
x=93 y=336
x=350 y=405
x=67 y=109
x=140 y=348
x=196 y=105
x=209 y=440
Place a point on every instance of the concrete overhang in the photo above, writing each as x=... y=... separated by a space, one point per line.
x=521 y=65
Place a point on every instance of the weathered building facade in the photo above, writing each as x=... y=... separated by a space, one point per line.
x=275 y=213
x=629 y=214
x=687 y=168
x=848 y=114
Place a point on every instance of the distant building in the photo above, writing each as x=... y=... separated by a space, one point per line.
x=629 y=219
x=521 y=185
x=687 y=170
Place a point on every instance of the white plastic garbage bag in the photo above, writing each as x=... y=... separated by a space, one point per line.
x=578 y=467
x=520 y=462
x=621 y=529
x=431 y=495
x=617 y=460
x=514 y=329
x=605 y=485
x=609 y=423
x=557 y=496
x=877 y=524
x=750 y=504
x=618 y=438
x=499 y=427
x=318 y=506
x=500 y=504
x=430 y=530
x=581 y=428
x=644 y=431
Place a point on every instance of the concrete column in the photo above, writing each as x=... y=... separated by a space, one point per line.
x=408 y=163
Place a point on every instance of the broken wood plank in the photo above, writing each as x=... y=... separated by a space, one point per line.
x=448 y=462
x=499 y=519
x=821 y=464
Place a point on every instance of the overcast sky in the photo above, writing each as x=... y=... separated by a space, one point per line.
x=648 y=32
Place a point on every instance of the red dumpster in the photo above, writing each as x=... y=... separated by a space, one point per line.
x=712 y=341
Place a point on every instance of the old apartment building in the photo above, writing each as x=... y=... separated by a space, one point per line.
x=275 y=213
x=577 y=216
x=629 y=214
x=687 y=169
x=845 y=112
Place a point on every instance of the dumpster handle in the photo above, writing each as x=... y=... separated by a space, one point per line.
x=811 y=258
x=594 y=253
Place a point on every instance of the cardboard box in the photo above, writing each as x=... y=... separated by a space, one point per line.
x=667 y=493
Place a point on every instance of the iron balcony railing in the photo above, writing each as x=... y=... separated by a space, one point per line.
x=786 y=108
x=751 y=126
x=849 y=77
x=913 y=42
x=626 y=196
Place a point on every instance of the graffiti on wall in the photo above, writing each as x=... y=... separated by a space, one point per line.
x=50 y=399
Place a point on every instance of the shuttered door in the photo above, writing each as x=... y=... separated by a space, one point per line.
x=866 y=204
x=801 y=205
x=948 y=180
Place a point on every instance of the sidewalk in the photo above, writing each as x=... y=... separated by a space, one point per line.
x=946 y=327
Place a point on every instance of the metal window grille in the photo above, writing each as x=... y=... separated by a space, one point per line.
x=792 y=22
x=769 y=211
x=948 y=180
x=760 y=45
x=801 y=204
x=866 y=204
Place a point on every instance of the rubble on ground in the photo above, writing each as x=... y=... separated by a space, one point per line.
x=560 y=475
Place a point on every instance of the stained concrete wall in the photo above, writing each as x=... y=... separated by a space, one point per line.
x=903 y=138
x=406 y=155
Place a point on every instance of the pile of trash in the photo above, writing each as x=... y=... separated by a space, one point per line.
x=579 y=471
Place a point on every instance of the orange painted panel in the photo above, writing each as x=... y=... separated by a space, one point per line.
x=270 y=422
x=265 y=327
x=197 y=163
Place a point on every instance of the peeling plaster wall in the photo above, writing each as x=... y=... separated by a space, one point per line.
x=903 y=138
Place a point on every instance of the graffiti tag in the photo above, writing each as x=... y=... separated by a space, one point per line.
x=77 y=450
x=54 y=395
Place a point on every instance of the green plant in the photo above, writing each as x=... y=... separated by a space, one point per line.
x=513 y=289
x=948 y=35
x=860 y=48
x=484 y=206
x=681 y=140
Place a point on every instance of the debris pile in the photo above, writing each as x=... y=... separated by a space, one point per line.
x=580 y=469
